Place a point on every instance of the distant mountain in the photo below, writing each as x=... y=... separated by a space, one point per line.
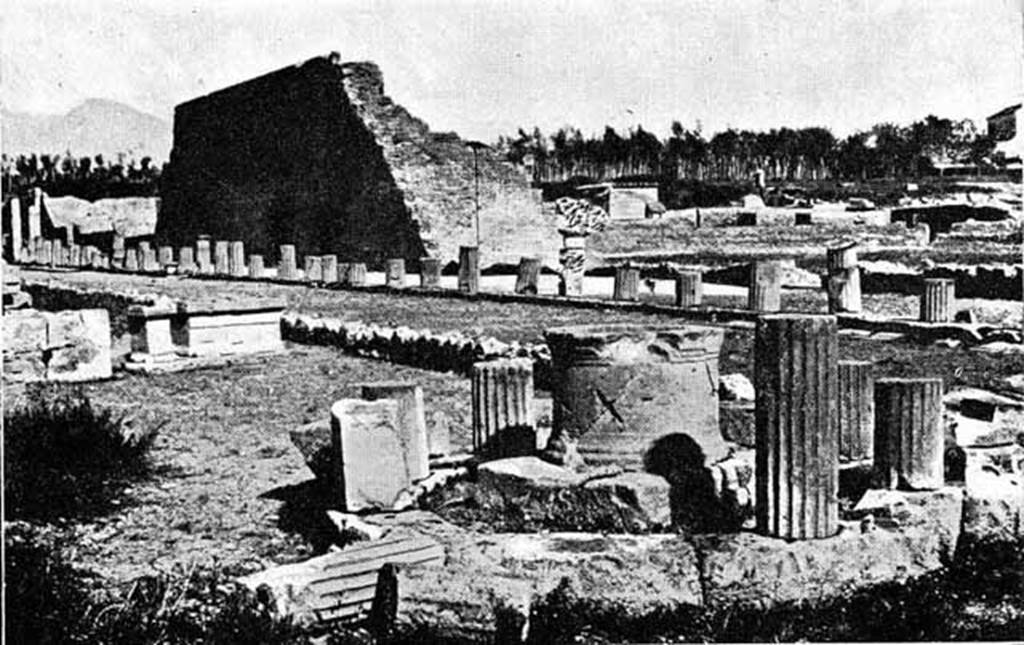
x=97 y=126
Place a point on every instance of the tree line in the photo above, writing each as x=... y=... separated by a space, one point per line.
x=885 y=150
x=89 y=178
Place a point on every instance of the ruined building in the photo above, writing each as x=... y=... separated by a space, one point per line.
x=317 y=156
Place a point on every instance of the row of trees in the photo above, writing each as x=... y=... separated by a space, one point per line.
x=885 y=150
x=86 y=177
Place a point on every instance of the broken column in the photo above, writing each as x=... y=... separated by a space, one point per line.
x=255 y=266
x=528 y=276
x=394 y=273
x=842 y=284
x=357 y=274
x=503 y=424
x=430 y=273
x=221 y=258
x=56 y=253
x=314 y=268
x=203 y=255
x=856 y=410
x=627 y=283
x=287 y=269
x=16 y=224
x=765 y=292
x=938 y=300
x=131 y=260
x=75 y=255
x=689 y=288
x=165 y=256
x=329 y=268
x=35 y=215
x=797 y=439
x=45 y=252
x=908 y=433
x=236 y=260
x=572 y=257
x=619 y=390
x=117 y=250
x=186 y=259
x=469 y=269
x=370 y=470
x=412 y=416
x=148 y=258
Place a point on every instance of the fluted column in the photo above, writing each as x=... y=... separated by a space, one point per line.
x=357 y=274
x=689 y=288
x=842 y=284
x=469 y=269
x=503 y=423
x=430 y=273
x=765 y=292
x=286 y=268
x=394 y=273
x=797 y=439
x=237 y=259
x=908 y=433
x=221 y=257
x=255 y=266
x=314 y=268
x=329 y=267
x=528 y=276
x=203 y=257
x=856 y=410
x=627 y=283
x=938 y=300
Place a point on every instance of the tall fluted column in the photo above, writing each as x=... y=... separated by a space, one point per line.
x=528 y=276
x=938 y=300
x=797 y=439
x=503 y=423
x=469 y=269
x=908 y=433
x=765 y=287
x=394 y=273
x=286 y=268
x=627 y=283
x=856 y=410
x=430 y=273
x=689 y=288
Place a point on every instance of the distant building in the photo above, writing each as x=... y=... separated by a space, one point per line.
x=316 y=155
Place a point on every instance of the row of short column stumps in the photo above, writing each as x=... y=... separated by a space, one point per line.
x=224 y=258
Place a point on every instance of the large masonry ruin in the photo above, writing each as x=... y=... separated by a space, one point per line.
x=317 y=156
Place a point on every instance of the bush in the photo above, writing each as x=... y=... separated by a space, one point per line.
x=65 y=459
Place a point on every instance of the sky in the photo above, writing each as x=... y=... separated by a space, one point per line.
x=487 y=67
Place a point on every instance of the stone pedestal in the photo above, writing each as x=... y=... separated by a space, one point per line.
x=329 y=267
x=236 y=261
x=314 y=268
x=394 y=273
x=528 y=276
x=765 y=287
x=627 y=283
x=287 y=269
x=938 y=300
x=908 y=433
x=469 y=269
x=430 y=273
x=412 y=420
x=856 y=410
x=148 y=259
x=626 y=394
x=797 y=451
x=370 y=470
x=187 y=260
x=689 y=288
x=165 y=256
x=221 y=257
x=573 y=258
x=503 y=424
x=357 y=274
x=255 y=266
x=203 y=258
x=131 y=260
x=150 y=329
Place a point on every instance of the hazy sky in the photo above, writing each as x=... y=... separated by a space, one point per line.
x=484 y=68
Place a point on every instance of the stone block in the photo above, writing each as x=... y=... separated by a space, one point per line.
x=231 y=329
x=150 y=329
x=735 y=387
x=24 y=334
x=649 y=493
x=413 y=423
x=994 y=502
x=370 y=465
x=78 y=345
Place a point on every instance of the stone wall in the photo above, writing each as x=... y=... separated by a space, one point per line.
x=316 y=155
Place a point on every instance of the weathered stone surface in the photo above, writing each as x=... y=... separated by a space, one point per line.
x=938 y=300
x=621 y=391
x=985 y=418
x=340 y=585
x=439 y=440
x=528 y=276
x=908 y=433
x=941 y=510
x=502 y=393
x=796 y=378
x=366 y=442
x=627 y=283
x=994 y=487
x=516 y=476
x=469 y=269
x=430 y=273
x=856 y=410
x=737 y=421
x=78 y=345
x=735 y=387
x=765 y=287
x=412 y=422
x=649 y=493
x=352 y=527
x=689 y=288
x=24 y=333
